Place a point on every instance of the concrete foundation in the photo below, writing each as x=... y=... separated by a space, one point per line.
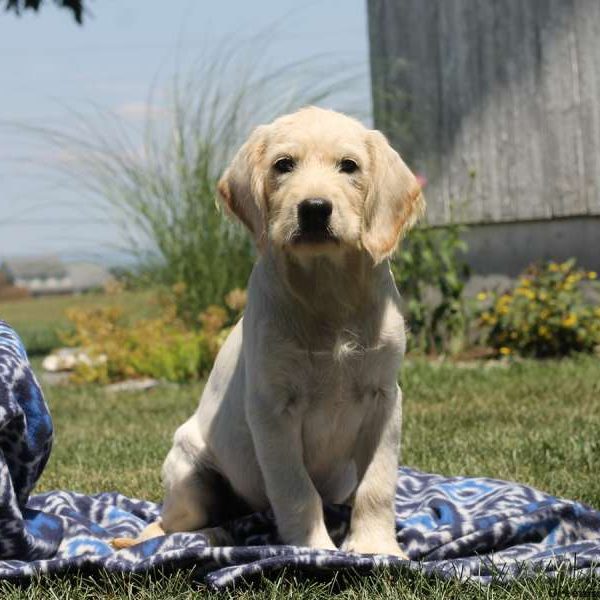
x=507 y=248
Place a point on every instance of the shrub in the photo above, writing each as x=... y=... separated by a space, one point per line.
x=160 y=347
x=430 y=272
x=544 y=315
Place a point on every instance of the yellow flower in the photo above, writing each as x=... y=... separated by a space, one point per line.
x=570 y=320
x=505 y=351
x=543 y=331
x=545 y=313
x=481 y=296
x=525 y=282
x=488 y=318
x=523 y=291
x=542 y=296
x=503 y=303
x=592 y=275
x=553 y=267
x=597 y=312
x=236 y=299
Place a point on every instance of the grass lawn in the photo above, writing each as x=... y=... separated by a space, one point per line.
x=39 y=320
x=538 y=423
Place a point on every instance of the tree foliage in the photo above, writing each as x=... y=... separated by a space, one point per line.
x=75 y=6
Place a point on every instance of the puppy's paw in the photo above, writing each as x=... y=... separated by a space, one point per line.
x=151 y=531
x=320 y=541
x=325 y=544
x=373 y=546
x=122 y=543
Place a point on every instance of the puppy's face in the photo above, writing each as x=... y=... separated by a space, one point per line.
x=317 y=182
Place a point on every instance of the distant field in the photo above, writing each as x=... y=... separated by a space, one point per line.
x=39 y=321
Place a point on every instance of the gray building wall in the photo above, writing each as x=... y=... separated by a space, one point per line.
x=497 y=104
x=508 y=248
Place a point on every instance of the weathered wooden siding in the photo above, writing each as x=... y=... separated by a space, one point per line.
x=496 y=102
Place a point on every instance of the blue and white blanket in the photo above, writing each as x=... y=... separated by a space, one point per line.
x=471 y=528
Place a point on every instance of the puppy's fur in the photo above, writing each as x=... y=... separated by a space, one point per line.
x=302 y=406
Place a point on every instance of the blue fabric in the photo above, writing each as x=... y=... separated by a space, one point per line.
x=471 y=528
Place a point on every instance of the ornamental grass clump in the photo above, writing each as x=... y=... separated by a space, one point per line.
x=158 y=185
x=544 y=315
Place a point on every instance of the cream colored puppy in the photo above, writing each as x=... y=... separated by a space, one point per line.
x=302 y=406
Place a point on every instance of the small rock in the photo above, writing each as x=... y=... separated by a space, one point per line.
x=66 y=359
x=132 y=385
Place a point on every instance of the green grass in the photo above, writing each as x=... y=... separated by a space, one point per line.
x=535 y=422
x=39 y=321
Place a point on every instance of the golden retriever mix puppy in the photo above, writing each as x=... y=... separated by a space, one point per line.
x=302 y=406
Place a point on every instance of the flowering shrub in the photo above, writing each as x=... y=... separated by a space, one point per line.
x=544 y=315
x=157 y=347
x=161 y=347
x=433 y=260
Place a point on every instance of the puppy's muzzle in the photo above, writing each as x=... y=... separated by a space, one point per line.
x=313 y=220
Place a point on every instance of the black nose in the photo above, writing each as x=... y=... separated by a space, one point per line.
x=313 y=214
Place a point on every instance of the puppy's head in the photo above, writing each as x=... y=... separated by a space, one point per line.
x=317 y=182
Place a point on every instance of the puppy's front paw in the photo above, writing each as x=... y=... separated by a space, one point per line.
x=318 y=541
x=324 y=544
x=364 y=545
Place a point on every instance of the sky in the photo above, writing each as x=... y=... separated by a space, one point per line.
x=54 y=72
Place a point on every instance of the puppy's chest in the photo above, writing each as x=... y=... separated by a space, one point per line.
x=337 y=379
x=332 y=392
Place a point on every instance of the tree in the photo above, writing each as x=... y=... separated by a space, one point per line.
x=75 y=6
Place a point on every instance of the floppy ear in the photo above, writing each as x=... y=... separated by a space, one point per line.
x=241 y=186
x=394 y=201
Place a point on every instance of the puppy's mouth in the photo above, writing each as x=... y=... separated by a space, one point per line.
x=314 y=237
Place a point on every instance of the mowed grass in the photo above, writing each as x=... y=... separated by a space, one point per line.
x=40 y=321
x=535 y=422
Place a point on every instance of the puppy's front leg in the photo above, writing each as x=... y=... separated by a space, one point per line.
x=296 y=503
x=372 y=526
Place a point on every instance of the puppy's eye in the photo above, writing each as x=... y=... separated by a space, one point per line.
x=284 y=165
x=347 y=165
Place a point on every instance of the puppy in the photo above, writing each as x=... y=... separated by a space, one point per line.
x=302 y=406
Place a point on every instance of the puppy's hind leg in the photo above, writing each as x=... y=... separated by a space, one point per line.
x=151 y=531
x=190 y=500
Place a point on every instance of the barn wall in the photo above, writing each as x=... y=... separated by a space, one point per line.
x=496 y=102
x=508 y=248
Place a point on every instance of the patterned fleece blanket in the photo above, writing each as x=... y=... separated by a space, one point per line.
x=471 y=528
